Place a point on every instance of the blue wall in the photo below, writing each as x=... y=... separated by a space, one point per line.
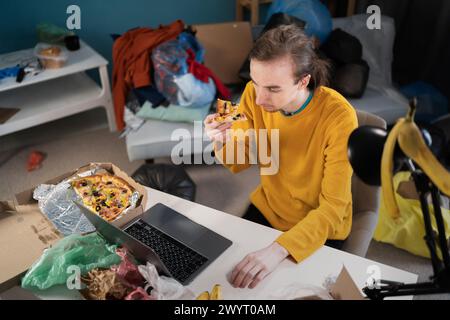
x=100 y=18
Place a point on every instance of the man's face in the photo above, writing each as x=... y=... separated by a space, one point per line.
x=274 y=83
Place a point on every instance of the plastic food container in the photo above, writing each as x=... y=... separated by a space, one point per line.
x=51 y=56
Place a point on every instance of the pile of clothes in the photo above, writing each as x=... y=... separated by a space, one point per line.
x=159 y=74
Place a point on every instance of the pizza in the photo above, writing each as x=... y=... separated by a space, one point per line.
x=104 y=194
x=228 y=112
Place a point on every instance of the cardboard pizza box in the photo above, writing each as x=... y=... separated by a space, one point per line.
x=25 y=232
x=227 y=46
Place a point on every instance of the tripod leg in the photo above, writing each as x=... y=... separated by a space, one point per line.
x=440 y=225
x=421 y=183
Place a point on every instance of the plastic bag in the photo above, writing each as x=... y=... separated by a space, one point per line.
x=171 y=67
x=85 y=252
x=127 y=271
x=193 y=92
x=164 y=288
x=188 y=41
x=407 y=232
x=50 y=33
x=169 y=61
x=313 y=12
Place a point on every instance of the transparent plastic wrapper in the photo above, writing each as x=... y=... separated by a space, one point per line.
x=85 y=252
x=164 y=288
x=51 y=56
x=57 y=203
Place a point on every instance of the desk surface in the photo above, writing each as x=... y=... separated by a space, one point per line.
x=248 y=237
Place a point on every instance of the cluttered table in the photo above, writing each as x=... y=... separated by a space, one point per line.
x=289 y=281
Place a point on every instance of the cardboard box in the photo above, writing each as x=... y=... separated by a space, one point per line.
x=345 y=288
x=25 y=231
x=227 y=46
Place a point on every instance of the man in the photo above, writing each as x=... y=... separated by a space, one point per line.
x=309 y=198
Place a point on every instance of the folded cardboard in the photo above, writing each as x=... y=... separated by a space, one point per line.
x=25 y=232
x=345 y=288
x=227 y=46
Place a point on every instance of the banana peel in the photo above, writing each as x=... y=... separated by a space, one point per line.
x=216 y=294
x=410 y=140
x=204 y=296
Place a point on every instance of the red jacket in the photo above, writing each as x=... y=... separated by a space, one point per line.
x=132 y=61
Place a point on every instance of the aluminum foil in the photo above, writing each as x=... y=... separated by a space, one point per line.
x=57 y=203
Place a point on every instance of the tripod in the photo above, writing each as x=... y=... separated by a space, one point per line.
x=440 y=281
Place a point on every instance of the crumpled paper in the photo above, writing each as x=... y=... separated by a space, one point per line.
x=104 y=285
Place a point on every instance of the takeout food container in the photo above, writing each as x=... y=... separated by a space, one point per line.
x=51 y=56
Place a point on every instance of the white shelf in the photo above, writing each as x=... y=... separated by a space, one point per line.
x=49 y=100
x=55 y=93
x=84 y=59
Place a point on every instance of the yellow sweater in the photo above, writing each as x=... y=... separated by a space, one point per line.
x=309 y=198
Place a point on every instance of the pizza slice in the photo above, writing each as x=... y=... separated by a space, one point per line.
x=228 y=112
x=104 y=194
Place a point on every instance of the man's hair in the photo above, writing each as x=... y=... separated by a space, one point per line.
x=290 y=40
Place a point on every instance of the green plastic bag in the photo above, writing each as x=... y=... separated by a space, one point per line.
x=50 y=33
x=87 y=252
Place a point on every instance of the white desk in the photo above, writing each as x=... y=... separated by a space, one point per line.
x=248 y=237
x=55 y=93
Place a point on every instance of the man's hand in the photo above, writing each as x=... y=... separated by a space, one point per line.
x=216 y=131
x=257 y=265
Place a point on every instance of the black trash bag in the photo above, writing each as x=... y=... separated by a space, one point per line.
x=277 y=19
x=342 y=47
x=166 y=178
x=350 y=79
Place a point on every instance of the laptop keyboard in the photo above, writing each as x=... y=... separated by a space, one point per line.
x=179 y=259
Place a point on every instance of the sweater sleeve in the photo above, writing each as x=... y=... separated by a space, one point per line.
x=235 y=154
x=327 y=221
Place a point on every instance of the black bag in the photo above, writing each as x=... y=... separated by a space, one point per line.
x=166 y=178
x=277 y=19
x=350 y=79
x=342 y=47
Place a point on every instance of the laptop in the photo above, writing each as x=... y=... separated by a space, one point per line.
x=177 y=246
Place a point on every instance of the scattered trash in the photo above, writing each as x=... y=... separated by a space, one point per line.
x=35 y=160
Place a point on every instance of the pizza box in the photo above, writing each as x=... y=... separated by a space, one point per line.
x=25 y=231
